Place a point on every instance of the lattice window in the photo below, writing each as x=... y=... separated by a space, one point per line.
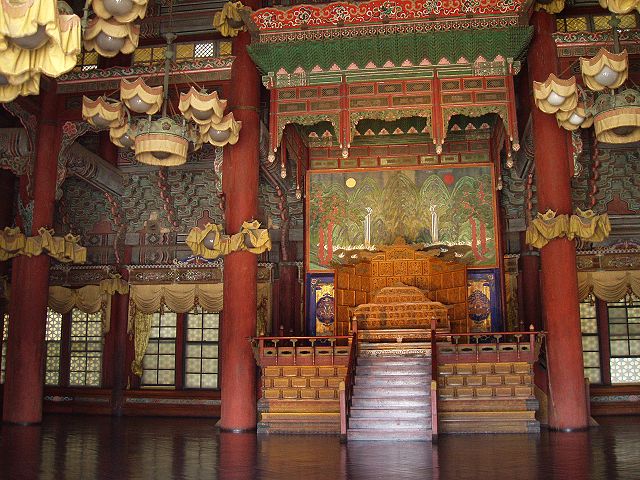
x=573 y=24
x=85 y=366
x=86 y=61
x=624 y=338
x=159 y=363
x=602 y=22
x=5 y=336
x=629 y=21
x=149 y=55
x=53 y=348
x=590 y=345
x=184 y=52
x=201 y=350
x=625 y=370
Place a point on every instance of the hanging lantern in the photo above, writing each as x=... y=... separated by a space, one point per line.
x=620 y=6
x=101 y=113
x=35 y=37
x=162 y=142
x=110 y=37
x=123 y=136
x=225 y=132
x=140 y=97
x=605 y=70
x=123 y=11
x=13 y=85
x=203 y=108
x=575 y=119
x=616 y=118
x=556 y=94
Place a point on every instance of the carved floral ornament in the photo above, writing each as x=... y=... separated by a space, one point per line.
x=64 y=249
x=210 y=242
x=586 y=225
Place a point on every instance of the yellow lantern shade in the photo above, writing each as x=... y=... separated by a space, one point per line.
x=227 y=131
x=617 y=117
x=140 y=97
x=202 y=108
x=35 y=39
x=605 y=70
x=123 y=11
x=574 y=119
x=620 y=6
x=13 y=86
x=556 y=94
x=102 y=114
x=123 y=136
x=162 y=142
x=110 y=37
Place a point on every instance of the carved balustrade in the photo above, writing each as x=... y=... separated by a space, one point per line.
x=270 y=351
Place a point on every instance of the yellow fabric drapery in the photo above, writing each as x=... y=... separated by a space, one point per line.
x=610 y=286
x=545 y=227
x=251 y=238
x=89 y=299
x=618 y=62
x=564 y=88
x=589 y=226
x=228 y=21
x=141 y=333
x=22 y=67
x=586 y=225
x=64 y=249
x=552 y=7
x=620 y=6
x=12 y=243
x=180 y=298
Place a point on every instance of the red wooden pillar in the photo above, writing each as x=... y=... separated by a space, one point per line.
x=30 y=285
x=530 y=266
x=240 y=187
x=560 y=310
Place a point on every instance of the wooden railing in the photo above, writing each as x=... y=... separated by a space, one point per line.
x=345 y=390
x=434 y=381
x=487 y=347
x=301 y=350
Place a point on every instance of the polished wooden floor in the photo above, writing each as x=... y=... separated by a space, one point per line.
x=92 y=447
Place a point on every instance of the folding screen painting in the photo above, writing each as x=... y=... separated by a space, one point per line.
x=453 y=208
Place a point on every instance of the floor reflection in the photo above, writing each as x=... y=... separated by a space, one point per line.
x=83 y=447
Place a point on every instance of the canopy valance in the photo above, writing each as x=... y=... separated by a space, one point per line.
x=610 y=286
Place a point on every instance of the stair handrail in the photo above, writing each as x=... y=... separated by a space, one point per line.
x=258 y=345
x=533 y=338
x=434 y=381
x=345 y=388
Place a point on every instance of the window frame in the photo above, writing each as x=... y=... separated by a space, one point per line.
x=180 y=358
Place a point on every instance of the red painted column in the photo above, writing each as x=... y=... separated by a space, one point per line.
x=530 y=266
x=560 y=311
x=30 y=285
x=240 y=187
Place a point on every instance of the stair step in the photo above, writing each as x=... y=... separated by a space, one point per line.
x=414 y=401
x=366 y=391
x=392 y=380
x=505 y=426
x=367 y=361
x=400 y=370
x=396 y=413
x=417 y=434
x=389 y=423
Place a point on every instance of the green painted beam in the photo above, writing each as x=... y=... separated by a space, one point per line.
x=511 y=42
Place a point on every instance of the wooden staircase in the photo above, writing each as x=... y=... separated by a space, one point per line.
x=488 y=397
x=391 y=399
